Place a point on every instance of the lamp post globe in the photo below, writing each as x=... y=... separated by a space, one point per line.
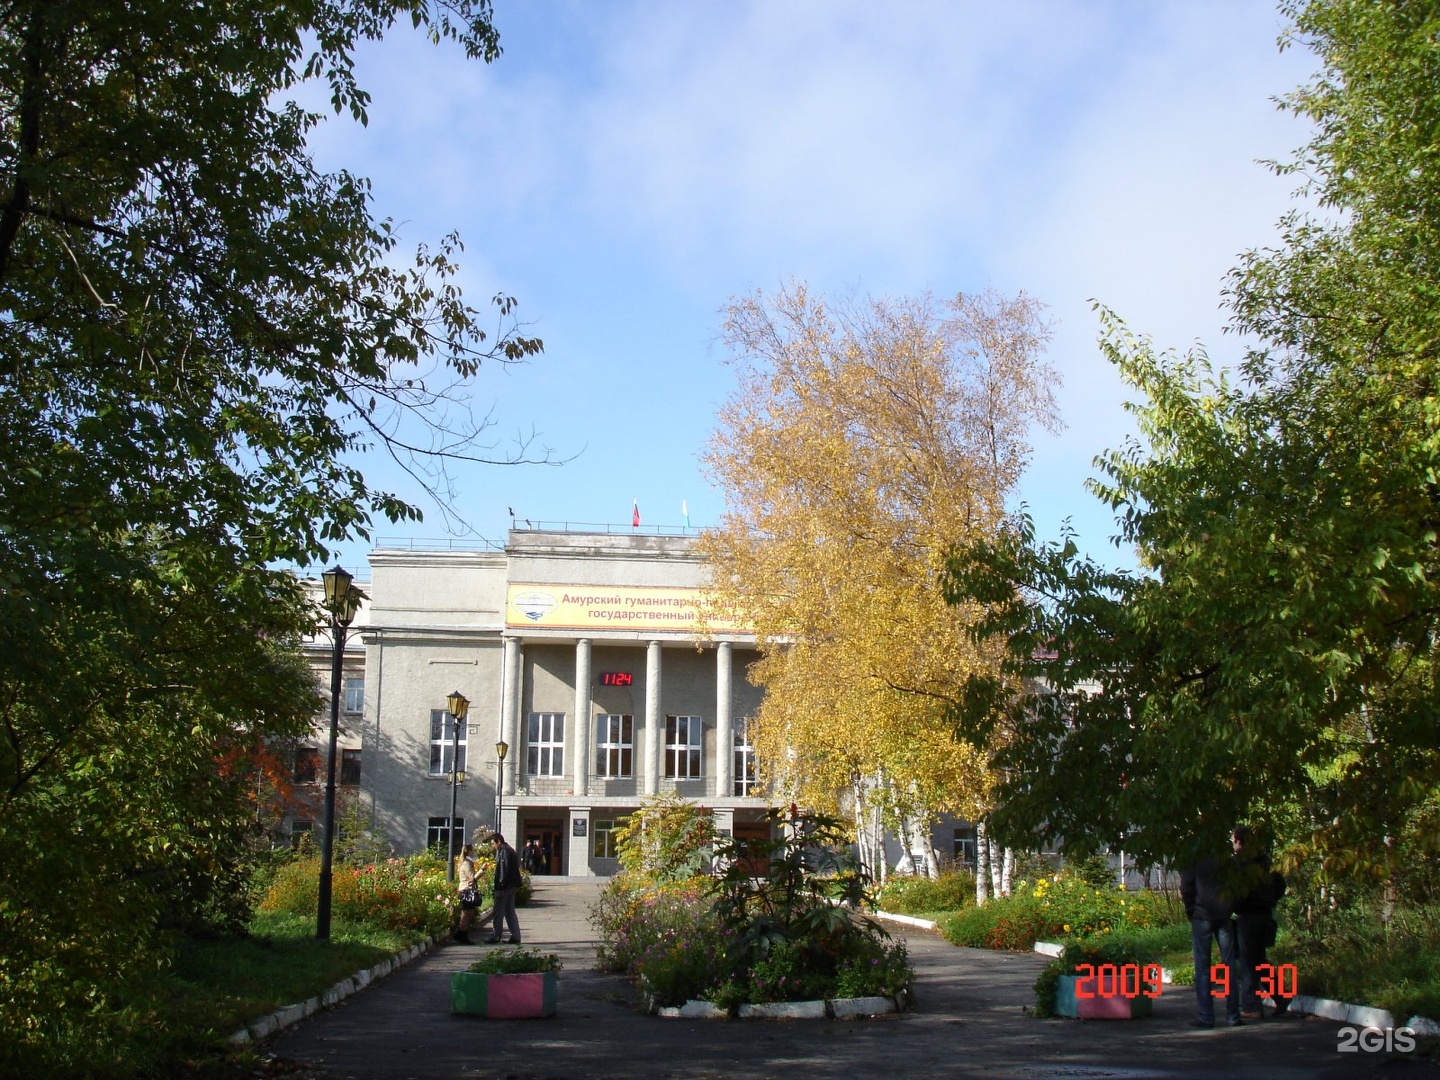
x=501 y=749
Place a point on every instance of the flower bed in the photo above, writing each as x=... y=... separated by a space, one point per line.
x=1061 y=905
x=733 y=939
x=396 y=894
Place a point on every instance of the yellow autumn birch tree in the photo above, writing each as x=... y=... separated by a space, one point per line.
x=861 y=443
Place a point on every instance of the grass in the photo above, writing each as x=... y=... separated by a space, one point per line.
x=1394 y=967
x=219 y=984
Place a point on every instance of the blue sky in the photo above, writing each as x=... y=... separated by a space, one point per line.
x=625 y=168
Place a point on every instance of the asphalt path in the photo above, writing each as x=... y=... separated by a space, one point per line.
x=969 y=1018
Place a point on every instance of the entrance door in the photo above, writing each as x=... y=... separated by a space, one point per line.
x=549 y=836
x=750 y=836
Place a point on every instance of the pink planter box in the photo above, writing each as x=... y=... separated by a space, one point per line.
x=1097 y=1008
x=504 y=997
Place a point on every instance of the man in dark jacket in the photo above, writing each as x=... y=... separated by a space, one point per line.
x=507 y=881
x=1209 y=910
x=1260 y=888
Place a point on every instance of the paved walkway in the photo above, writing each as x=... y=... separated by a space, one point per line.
x=968 y=1020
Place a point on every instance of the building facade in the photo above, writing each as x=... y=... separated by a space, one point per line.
x=587 y=654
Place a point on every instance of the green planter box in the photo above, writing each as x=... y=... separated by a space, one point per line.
x=504 y=997
x=1115 y=1007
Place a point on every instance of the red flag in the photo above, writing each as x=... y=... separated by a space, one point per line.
x=635 y=517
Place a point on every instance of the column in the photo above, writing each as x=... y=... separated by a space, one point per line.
x=510 y=825
x=577 y=858
x=580 y=744
x=724 y=731
x=724 y=821
x=510 y=710
x=654 y=727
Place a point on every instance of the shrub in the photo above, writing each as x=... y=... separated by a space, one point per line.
x=667 y=839
x=515 y=962
x=683 y=962
x=635 y=921
x=951 y=891
x=398 y=894
x=794 y=933
x=1052 y=908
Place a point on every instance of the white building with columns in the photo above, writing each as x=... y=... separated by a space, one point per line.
x=585 y=653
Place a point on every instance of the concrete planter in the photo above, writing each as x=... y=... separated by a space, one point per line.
x=504 y=997
x=1097 y=1008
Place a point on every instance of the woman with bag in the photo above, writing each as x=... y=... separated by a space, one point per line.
x=469 y=894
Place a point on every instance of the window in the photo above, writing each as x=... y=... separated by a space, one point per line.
x=963 y=847
x=307 y=765
x=745 y=782
x=354 y=694
x=442 y=735
x=603 y=845
x=682 y=747
x=437 y=835
x=300 y=831
x=545 y=744
x=614 y=745
x=350 y=767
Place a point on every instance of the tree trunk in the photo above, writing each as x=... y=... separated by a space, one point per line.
x=982 y=864
x=1008 y=872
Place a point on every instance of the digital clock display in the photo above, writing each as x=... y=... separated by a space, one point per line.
x=616 y=678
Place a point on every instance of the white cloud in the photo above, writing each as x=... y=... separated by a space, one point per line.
x=626 y=167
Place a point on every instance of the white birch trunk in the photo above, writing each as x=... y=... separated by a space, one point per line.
x=982 y=864
x=863 y=846
x=1008 y=872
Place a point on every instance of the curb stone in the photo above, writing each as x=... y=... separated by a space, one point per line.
x=784 y=1010
x=263 y=1027
x=837 y=1008
x=907 y=920
x=1360 y=1015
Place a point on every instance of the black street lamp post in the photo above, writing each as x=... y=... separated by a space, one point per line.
x=342 y=599
x=459 y=706
x=501 y=749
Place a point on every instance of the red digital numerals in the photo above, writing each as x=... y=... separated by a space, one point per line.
x=1282 y=981
x=1109 y=981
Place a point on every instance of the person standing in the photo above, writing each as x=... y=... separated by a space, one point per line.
x=507 y=883
x=1209 y=910
x=1255 y=921
x=469 y=893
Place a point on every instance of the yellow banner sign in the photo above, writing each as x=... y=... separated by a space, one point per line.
x=611 y=607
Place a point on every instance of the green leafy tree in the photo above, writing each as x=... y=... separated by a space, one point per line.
x=667 y=839
x=1275 y=658
x=199 y=332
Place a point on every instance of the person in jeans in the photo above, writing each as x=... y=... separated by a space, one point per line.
x=1261 y=888
x=1209 y=910
x=507 y=881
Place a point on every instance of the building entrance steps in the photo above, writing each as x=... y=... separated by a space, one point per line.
x=968 y=1020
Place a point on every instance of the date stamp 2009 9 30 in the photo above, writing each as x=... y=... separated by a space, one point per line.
x=1136 y=980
